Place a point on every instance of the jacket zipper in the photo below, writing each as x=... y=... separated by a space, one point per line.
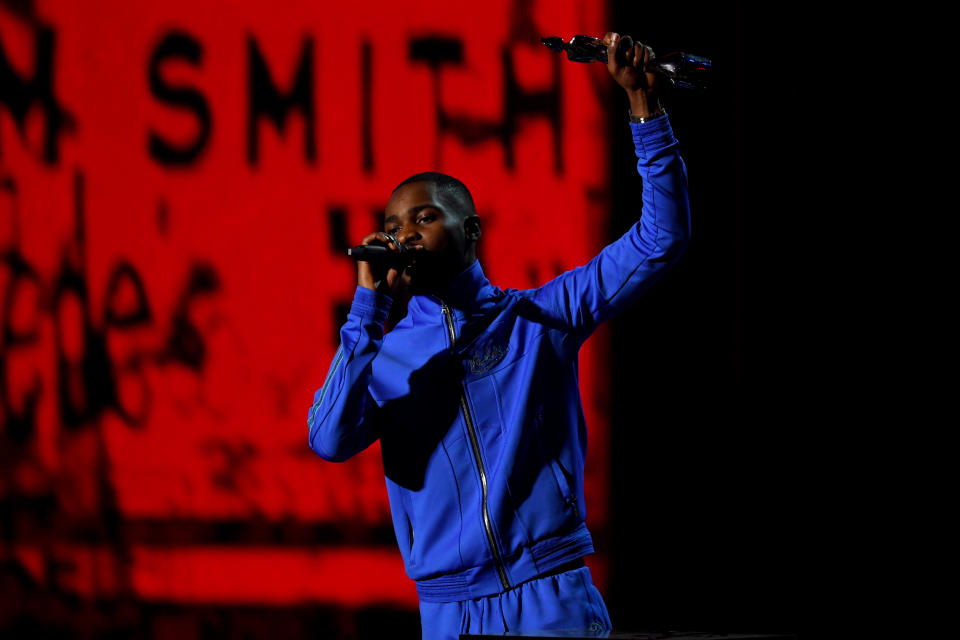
x=475 y=444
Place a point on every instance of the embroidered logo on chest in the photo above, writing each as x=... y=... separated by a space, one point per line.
x=483 y=361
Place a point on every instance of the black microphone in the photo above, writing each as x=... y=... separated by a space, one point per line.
x=381 y=255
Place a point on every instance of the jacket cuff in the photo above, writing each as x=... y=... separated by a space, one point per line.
x=652 y=136
x=371 y=303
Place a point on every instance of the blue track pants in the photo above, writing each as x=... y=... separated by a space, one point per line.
x=566 y=601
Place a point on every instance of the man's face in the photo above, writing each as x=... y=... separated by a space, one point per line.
x=418 y=219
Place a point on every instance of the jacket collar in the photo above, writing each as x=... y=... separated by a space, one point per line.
x=470 y=295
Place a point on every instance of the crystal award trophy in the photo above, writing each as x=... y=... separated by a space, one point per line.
x=680 y=69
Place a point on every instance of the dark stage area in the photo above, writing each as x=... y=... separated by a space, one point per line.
x=711 y=383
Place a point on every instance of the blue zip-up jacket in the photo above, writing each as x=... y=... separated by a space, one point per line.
x=475 y=399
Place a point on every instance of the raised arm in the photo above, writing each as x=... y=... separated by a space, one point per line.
x=612 y=281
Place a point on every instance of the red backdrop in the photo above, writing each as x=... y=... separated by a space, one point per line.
x=178 y=183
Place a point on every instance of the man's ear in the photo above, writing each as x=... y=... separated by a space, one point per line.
x=472 y=228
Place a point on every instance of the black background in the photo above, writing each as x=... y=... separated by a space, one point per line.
x=715 y=381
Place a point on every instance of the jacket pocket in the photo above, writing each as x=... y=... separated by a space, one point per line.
x=564 y=486
x=559 y=475
x=407 y=512
x=410 y=548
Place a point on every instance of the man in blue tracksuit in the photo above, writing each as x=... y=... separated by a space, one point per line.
x=474 y=392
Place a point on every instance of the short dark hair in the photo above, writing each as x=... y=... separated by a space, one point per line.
x=450 y=192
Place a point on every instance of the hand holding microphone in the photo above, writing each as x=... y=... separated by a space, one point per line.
x=381 y=259
x=379 y=254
